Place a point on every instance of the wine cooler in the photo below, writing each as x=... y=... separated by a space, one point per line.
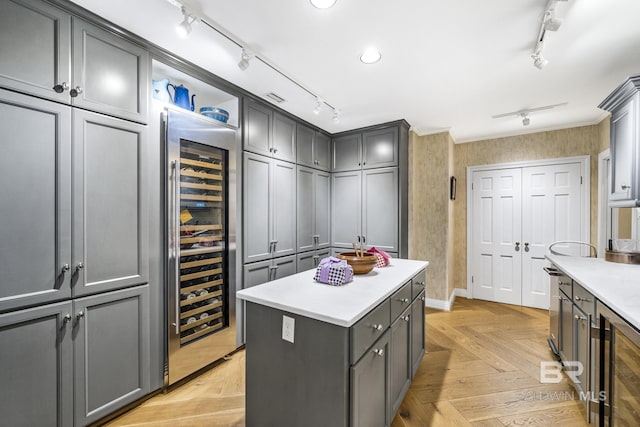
x=201 y=241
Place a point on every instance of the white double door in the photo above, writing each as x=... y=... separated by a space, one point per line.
x=517 y=214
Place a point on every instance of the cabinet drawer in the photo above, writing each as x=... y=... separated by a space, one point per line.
x=418 y=283
x=565 y=284
x=368 y=329
x=400 y=300
x=583 y=299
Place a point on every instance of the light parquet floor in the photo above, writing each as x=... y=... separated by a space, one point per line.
x=481 y=369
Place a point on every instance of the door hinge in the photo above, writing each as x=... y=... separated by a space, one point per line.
x=472 y=186
x=580 y=180
x=471 y=279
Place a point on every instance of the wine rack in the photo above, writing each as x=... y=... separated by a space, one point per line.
x=203 y=305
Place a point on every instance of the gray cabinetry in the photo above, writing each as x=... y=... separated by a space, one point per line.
x=313 y=210
x=269 y=203
x=110 y=243
x=346 y=153
x=366 y=150
x=261 y=272
x=417 y=332
x=37 y=366
x=365 y=208
x=268 y=133
x=400 y=358
x=111 y=351
x=313 y=148
x=35 y=233
x=308 y=260
x=565 y=341
x=624 y=105
x=370 y=379
x=46 y=52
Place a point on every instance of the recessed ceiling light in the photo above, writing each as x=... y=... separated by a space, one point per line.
x=370 y=55
x=323 y=4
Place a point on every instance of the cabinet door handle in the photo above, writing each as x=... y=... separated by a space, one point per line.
x=578 y=317
x=275 y=150
x=423 y=299
x=65 y=268
x=75 y=92
x=405 y=318
x=403 y=300
x=377 y=327
x=364 y=240
x=579 y=298
x=517 y=246
x=79 y=315
x=79 y=266
x=61 y=87
x=66 y=318
x=625 y=187
x=526 y=246
x=378 y=352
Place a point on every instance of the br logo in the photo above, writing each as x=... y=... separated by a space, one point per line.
x=551 y=372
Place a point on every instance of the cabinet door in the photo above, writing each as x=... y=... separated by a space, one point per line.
x=257 y=208
x=283 y=192
x=566 y=328
x=305 y=261
x=400 y=349
x=345 y=208
x=624 y=141
x=112 y=73
x=380 y=148
x=285 y=266
x=582 y=346
x=35 y=43
x=110 y=229
x=306 y=211
x=35 y=195
x=322 y=209
x=37 y=367
x=284 y=138
x=346 y=153
x=380 y=208
x=257 y=128
x=257 y=273
x=370 y=386
x=417 y=333
x=304 y=146
x=322 y=151
x=111 y=352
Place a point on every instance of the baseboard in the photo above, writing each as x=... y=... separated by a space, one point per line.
x=439 y=304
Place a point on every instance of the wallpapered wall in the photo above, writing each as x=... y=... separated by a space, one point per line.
x=438 y=226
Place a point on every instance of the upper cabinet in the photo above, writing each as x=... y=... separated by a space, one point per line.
x=48 y=53
x=366 y=150
x=624 y=105
x=268 y=133
x=313 y=148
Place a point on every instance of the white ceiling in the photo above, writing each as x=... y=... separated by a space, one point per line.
x=446 y=65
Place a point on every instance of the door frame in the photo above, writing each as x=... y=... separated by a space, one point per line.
x=585 y=217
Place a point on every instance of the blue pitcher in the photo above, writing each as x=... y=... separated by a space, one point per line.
x=159 y=90
x=181 y=97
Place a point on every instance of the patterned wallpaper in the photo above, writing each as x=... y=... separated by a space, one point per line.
x=438 y=227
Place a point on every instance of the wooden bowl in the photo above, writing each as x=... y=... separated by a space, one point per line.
x=360 y=265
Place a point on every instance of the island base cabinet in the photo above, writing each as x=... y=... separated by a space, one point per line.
x=418 y=337
x=300 y=383
x=74 y=362
x=370 y=386
x=400 y=359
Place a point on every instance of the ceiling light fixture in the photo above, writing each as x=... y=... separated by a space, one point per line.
x=525 y=119
x=184 y=28
x=336 y=115
x=547 y=23
x=370 y=55
x=323 y=4
x=539 y=61
x=524 y=114
x=245 y=57
x=319 y=102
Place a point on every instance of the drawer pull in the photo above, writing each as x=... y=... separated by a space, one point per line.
x=403 y=300
x=377 y=327
x=579 y=298
x=578 y=317
x=405 y=318
x=378 y=352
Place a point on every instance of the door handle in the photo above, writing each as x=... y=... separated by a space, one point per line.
x=526 y=246
x=517 y=246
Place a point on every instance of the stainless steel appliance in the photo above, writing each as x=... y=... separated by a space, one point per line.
x=202 y=261
x=619 y=370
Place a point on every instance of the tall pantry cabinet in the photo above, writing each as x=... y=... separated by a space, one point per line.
x=74 y=292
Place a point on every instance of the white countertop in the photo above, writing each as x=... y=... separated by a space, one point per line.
x=616 y=285
x=339 y=305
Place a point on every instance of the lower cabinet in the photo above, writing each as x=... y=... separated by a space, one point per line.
x=400 y=358
x=72 y=363
x=257 y=273
x=418 y=333
x=309 y=260
x=370 y=384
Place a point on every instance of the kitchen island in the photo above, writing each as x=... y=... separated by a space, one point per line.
x=321 y=355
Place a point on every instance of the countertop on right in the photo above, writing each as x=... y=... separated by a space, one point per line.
x=616 y=285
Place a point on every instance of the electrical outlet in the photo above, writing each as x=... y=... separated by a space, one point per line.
x=288 y=328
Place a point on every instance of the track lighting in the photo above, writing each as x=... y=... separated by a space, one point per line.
x=525 y=119
x=247 y=56
x=548 y=23
x=184 y=28
x=336 y=115
x=318 y=108
x=539 y=61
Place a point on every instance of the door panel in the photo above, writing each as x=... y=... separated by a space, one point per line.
x=284 y=138
x=496 y=230
x=346 y=153
x=284 y=208
x=36 y=201
x=380 y=148
x=37 y=367
x=304 y=145
x=110 y=203
x=322 y=150
x=284 y=267
x=322 y=214
x=551 y=206
x=257 y=128
x=305 y=212
x=111 y=351
x=257 y=273
x=36 y=48
x=380 y=210
x=345 y=208
x=257 y=208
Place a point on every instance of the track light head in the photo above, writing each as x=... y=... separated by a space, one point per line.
x=336 y=115
x=184 y=28
x=319 y=102
x=247 y=56
x=525 y=119
x=539 y=61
